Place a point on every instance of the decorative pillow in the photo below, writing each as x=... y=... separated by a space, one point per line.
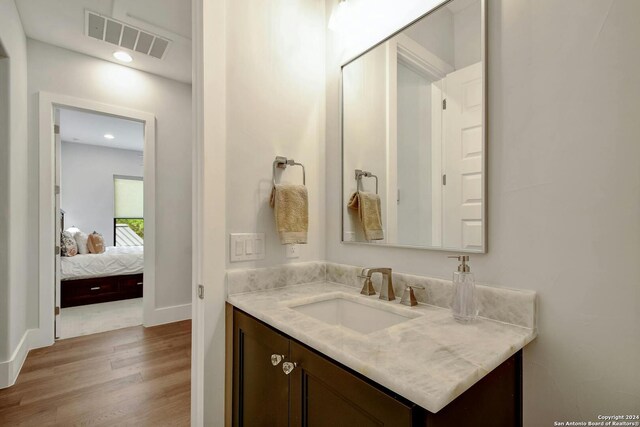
x=73 y=230
x=95 y=243
x=68 y=246
x=81 y=241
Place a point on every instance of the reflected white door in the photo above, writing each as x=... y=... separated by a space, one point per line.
x=58 y=227
x=463 y=160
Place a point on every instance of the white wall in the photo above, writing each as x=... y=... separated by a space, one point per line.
x=367 y=23
x=262 y=83
x=414 y=128
x=563 y=194
x=15 y=314
x=453 y=37
x=275 y=106
x=436 y=33
x=65 y=72
x=467 y=27
x=86 y=193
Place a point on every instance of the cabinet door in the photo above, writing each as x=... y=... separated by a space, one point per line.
x=260 y=390
x=324 y=394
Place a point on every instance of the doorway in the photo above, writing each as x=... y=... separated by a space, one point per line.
x=100 y=216
x=103 y=287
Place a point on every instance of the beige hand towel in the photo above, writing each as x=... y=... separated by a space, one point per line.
x=368 y=207
x=291 y=208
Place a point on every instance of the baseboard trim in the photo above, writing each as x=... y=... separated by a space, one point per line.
x=175 y=313
x=10 y=369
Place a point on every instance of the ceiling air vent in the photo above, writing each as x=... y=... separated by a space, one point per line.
x=120 y=34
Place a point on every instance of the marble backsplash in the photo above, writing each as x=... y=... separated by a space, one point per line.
x=250 y=280
x=513 y=306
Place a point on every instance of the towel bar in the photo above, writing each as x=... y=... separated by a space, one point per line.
x=359 y=174
x=282 y=163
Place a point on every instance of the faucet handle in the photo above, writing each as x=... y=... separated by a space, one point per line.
x=408 y=297
x=367 y=287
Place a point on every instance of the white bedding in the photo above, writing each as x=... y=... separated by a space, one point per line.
x=115 y=261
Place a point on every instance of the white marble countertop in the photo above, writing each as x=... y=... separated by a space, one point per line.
x=429 y=359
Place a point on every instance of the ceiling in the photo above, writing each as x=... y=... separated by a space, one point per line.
x=84 y=127
x=62 y=23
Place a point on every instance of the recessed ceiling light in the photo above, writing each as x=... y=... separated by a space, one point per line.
x=109 y=136
x=122 y=56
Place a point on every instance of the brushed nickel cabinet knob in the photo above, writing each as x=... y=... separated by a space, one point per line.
x=288 y=367
x=276 y=359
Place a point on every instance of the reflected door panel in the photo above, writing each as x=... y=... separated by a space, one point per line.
x=462 y=193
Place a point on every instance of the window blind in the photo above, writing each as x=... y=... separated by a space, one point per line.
x=129 y=197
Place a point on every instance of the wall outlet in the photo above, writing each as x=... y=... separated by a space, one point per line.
x=246 y=246
x=292 y=251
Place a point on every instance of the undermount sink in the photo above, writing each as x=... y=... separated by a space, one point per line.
x=350 y=314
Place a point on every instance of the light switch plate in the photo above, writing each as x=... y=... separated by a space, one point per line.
x=246 y=246
x=259 y=246
x=238 y=247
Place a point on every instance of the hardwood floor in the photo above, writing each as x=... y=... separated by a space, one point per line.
x=129 y=377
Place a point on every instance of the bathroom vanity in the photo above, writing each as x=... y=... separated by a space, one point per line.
x=309 y=349
x=322 y=392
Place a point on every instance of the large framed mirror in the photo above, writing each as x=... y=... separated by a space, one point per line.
x=414 y=135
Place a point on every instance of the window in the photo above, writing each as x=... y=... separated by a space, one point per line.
x=128 y=218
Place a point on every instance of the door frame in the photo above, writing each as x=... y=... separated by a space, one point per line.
x=210 y=399
x=402 y=48
x=47 y=103
x=58 y=229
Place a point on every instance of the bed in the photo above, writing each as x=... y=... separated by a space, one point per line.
x=114 y=275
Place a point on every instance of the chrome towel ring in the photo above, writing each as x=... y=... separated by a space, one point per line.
x=359 y=174
x=282 y=163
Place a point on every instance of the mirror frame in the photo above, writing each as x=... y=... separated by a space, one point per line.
x=483 y=56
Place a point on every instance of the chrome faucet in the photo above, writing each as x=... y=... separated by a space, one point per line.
x=386 y=290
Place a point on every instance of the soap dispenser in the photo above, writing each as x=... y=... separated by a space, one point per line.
x=463 y=304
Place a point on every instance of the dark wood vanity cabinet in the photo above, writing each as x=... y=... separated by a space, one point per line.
x=323 y=394
x=260 y=390
x=320 y=392
x=316 y=393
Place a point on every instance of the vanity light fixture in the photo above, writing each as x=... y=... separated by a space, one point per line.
x=336 y=21
x=122 y=56
x=109 y=136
